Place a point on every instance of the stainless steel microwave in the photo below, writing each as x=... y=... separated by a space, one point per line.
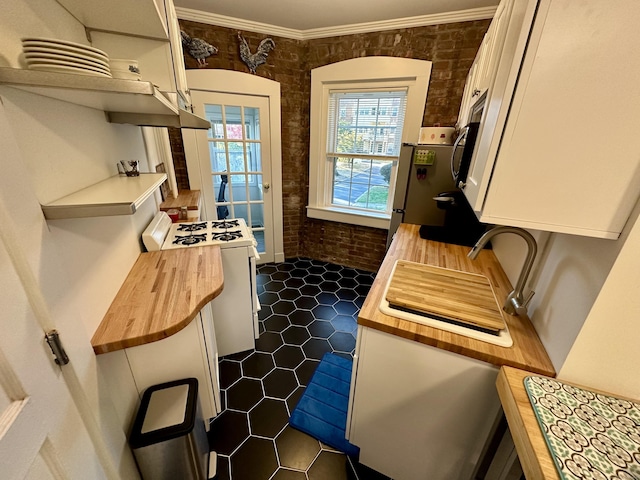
x=463 y=152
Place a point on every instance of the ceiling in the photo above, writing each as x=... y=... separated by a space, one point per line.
x=306 y=15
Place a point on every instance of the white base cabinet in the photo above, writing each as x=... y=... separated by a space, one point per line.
x=418 y=412
x=558 y=146
x=189 y=353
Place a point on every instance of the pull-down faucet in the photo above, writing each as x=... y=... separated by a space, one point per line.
x=515 y=304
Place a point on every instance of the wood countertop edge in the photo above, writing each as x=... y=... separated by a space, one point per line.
x=534 y=454
x=149 y=278
x=180 y=324
x=531 y=446
x=527 y=351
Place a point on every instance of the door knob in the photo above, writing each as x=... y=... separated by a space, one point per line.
x=266 y=186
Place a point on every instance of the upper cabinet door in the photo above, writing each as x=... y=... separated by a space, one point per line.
x=510 y=41
x=569 y=157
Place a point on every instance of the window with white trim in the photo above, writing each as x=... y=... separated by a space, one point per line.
x=363 y=144
x=362 y=110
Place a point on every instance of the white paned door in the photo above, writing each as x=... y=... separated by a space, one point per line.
x=234 y=158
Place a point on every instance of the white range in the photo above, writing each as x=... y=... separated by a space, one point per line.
x=235 y=310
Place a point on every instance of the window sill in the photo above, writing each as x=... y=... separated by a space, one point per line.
x=336 y=214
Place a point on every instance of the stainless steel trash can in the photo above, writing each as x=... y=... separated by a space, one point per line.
x=168 y=438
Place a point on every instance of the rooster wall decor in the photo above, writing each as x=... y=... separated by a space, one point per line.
x=198 y=49
x=254 y=60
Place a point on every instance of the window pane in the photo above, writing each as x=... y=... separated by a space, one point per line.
x=234 y=122
x=252 y=123
x=221 y=195
x=218 y=156
x=257 y=215
x=259 y=236
x=361 y=183
x=240 y=211
x=375 y=198
x=213 y=113
x=255 y=187
x=236 y=157
x=254 y=159
x=366 y=122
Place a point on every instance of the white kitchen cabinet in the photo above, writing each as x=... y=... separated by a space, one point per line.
x=189 y=353
x=417 y=411
x=470 y=95
x=485 y=66
x=558 y=148
x=160 y=60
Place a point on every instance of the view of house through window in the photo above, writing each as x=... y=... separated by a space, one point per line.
x=363 y=145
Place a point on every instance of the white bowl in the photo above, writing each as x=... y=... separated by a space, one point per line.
x=125 y=64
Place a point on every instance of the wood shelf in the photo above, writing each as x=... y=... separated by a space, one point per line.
x=117 y=195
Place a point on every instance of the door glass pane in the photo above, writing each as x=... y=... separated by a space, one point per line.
x=255 y=188
x=252 y=123
x=236 y=157
x=257 y=215
x=233 y=117
x=218 y=156
x=259 y=236
x=220 y=186
x=240 y=211
x=254 y=159
x=213 y=113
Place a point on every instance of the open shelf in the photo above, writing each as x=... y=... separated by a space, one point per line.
x=117 y=195
x=124 y=101
x=140 y=17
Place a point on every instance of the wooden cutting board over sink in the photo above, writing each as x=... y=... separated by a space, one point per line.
x=451 y=295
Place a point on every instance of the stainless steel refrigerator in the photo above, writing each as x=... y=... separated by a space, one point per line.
x=424 y=171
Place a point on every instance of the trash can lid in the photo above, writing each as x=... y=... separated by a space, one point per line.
x=167 y=411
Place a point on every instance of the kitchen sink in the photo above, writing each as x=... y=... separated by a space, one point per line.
x=458 y=291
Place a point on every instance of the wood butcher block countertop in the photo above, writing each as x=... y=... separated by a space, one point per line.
x=531 y=446
x=527 y=352
x=163 y=292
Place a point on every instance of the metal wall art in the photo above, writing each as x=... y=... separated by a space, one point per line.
x=198 y=49
x=254 y=60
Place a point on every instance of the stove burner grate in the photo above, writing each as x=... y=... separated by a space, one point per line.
x=227 y=236
x=225 y=224
x=192 y=227
x=189 y=239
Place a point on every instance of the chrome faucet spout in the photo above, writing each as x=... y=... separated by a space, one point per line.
x=515 y=303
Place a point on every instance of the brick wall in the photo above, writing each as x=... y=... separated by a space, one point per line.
x=451 y=48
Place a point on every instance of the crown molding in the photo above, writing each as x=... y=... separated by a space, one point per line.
x=398 y=23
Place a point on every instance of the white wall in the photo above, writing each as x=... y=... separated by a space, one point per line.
x=568 y=275
x=80 y=263
x=606 y=355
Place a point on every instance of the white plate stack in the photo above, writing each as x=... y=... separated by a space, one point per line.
x=65 y=57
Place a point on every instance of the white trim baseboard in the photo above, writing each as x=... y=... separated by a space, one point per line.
x=208 y=18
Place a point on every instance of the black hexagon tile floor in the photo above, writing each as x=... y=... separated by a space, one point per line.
x=308 y=308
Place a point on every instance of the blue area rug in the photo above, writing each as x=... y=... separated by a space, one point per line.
x=322 y=410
